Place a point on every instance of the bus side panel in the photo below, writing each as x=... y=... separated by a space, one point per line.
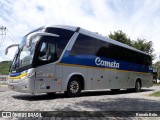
x=143 y=78
x=113 y=84
x=122 y=79
x=118 y=79
x=150 y=80
x=132 y=79
x=90 y=78
x=147 y=80
x=48 y=79
x=99 y=81
x=69 y=71
x=58 y=76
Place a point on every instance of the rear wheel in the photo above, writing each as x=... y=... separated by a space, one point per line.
x=137 y=86
x=115 y=90
x=74 y=87
x=51 y=93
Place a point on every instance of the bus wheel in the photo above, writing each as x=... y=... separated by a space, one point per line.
x=51 y=93
x=115 y=90
x=137 y=86
x=74 y=87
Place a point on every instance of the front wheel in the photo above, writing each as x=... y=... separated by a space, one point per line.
x=74 y=87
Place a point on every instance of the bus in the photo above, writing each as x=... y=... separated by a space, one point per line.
x=70 y=59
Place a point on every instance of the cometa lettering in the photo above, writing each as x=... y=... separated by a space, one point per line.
x=104 y=63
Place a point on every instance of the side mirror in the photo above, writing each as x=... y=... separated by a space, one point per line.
x=13 y=45
x=31 y=36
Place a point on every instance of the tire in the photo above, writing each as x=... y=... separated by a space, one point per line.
x=115 y=90
x=137 y=86
x=51 y=93
x=74 y=87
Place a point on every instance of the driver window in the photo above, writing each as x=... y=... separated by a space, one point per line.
x=43 y=52
x=47 y=52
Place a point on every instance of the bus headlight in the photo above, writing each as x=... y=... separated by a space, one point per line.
x=22 y=78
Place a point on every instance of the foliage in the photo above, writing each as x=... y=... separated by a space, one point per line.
x=4 y=67
x=155 y=94
x=157 y=66
x=140 y=44
x=120 y=37
x=143 y=45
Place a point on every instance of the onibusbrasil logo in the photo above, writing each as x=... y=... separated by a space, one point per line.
x=21 y=114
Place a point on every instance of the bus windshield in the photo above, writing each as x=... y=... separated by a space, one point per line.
x=24 y=56
x=47 y=50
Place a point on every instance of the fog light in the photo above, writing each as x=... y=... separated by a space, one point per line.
x=25 y=86
x=11 y=86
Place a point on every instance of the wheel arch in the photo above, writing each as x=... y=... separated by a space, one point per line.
x=138 y=79
x=79 y=75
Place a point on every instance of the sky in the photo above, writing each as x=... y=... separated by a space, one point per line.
x=136 y=18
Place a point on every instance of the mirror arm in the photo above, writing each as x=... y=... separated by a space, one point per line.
x=13 y=45
x=29 y=40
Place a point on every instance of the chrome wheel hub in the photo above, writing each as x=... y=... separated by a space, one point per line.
x=74 y=86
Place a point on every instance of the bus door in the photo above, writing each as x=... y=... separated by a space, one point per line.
x=46 y=75
x=48 y=78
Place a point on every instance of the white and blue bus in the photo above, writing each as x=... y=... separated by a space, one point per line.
x=71 y=59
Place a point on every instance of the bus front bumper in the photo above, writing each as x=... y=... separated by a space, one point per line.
x=20 y=86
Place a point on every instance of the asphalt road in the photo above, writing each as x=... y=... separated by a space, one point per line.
x=88 y=101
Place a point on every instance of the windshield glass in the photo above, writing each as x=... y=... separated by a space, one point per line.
x=24 y=56
x=48 y=49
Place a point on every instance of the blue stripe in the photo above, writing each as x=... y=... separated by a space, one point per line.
x=89 y=60
x=16 y=74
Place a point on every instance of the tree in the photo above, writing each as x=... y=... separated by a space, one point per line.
x=157 y=66
x=140 y=44
x=4 y=67
x=145 y=46
x=120 y=37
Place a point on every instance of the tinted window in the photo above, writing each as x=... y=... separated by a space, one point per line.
x=109 y=50
x=46 y=52
x=50 y=45
x=65 y=36
x=84 y=45
x=92 y=46
x=102 y=49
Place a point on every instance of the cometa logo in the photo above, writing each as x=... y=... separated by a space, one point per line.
x=104 y=63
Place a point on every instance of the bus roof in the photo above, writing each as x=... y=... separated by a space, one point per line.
x=95 y=35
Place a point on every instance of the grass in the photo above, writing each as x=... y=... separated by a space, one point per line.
x=2 y=83
x=155 y=94
x=156 y=84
